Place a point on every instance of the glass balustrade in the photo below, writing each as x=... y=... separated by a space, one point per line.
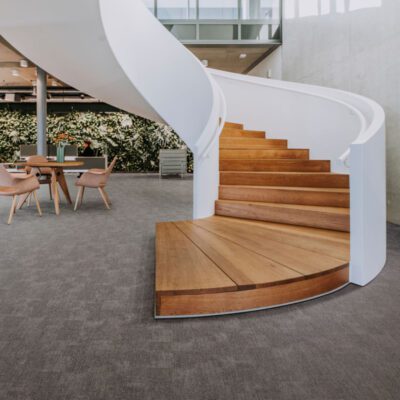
x=220 y=21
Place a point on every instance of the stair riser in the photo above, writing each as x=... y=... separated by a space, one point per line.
x=240 y=133
x=326 y=199
x=272 y=154
x=275 y=165
x=282 y=179
x=310 y=218
x=246 y=142
x=233 y=125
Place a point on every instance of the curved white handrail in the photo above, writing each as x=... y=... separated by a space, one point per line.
x=335 y=125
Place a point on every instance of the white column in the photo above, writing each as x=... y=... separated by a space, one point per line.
x=41 y=111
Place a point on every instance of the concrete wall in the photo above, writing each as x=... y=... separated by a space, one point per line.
x=272 y=64
x=352 y=45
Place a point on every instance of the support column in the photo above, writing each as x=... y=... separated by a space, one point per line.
x=41 y=111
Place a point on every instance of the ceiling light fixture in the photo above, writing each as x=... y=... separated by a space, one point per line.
x=23 y=63
x=14 y=72
x=242 y=56
x=205 y=62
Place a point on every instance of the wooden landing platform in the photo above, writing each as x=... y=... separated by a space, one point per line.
x=221 y=265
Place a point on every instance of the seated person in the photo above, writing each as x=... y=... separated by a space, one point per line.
x=87 y=150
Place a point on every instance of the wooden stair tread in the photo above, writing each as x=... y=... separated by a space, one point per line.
x=262 y=154
x=291 y=188
x=233 y=125
x=323 y=241
x=183 y=267
x=246 y=268
x=278 y=165
x=249 y=143
x=331 y=197
x=304 y=261
x=297 y=179
x=309 y=232
x=332 y=210
x=245 y=133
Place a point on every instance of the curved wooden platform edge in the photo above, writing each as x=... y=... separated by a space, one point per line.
x=208 y=304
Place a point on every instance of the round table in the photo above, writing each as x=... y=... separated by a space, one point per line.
x=57 y=176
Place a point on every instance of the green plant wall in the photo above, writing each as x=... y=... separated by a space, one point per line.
x=135 y=140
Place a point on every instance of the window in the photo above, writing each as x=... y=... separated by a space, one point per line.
x=218 y=9
x=260 y=9
x=176 y=9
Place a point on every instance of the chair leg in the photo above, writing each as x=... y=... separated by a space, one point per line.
x=37 y=202
x=78 y=200
x=51 y=194
x=12 y=210
x=83 y=193
x=29 y=199
x=104 y=197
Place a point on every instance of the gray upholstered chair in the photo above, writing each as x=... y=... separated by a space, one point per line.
x=13 y=185
x=97 y=179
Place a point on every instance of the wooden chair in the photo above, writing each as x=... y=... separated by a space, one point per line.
x=97 y=179
x=43 y=175
x=16 y=185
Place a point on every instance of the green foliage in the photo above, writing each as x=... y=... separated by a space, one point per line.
x=135 y=140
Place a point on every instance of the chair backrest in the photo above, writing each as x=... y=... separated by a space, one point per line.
x=36 y=158
x=5 y=177
x=111 y=166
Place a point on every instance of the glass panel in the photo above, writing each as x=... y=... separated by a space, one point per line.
x=260 y=9
x=183 y=32
x=176 y=9
x=218 y=9
x=260 y=32
x=218 y=32
x=149 y=4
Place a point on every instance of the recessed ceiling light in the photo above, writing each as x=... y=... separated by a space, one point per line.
x=14 y=72
x=205 y=62
x=23 y=63
x=242 y=56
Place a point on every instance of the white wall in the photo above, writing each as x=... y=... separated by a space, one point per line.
x=272 y=63
x=352 y=45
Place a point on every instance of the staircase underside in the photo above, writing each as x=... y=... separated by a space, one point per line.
x=223 y=265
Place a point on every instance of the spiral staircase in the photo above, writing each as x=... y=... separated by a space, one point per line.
x=271 y=226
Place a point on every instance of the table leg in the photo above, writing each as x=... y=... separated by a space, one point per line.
x=54 y=190
x=63 y=184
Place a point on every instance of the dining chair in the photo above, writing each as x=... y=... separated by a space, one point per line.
x=14 y=185
x=97 y=179
x=43 y=174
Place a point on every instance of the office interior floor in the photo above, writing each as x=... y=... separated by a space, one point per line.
x=76 y=316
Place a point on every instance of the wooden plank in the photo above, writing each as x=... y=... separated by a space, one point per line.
x=315 y=240
x=297 y=179
x=257 y=154
x=276 y=165
x=245 y=143
x=220 y=303
x=334 y=218
x=233 y=125
x=303 y=261
x=335 y=236
x=182 y=267
x=234 y=132
x=287 y=195
x=246 y=268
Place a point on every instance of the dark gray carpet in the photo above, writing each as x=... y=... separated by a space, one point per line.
x=76 y=317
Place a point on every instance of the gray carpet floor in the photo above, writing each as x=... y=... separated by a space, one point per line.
x=76 y=316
